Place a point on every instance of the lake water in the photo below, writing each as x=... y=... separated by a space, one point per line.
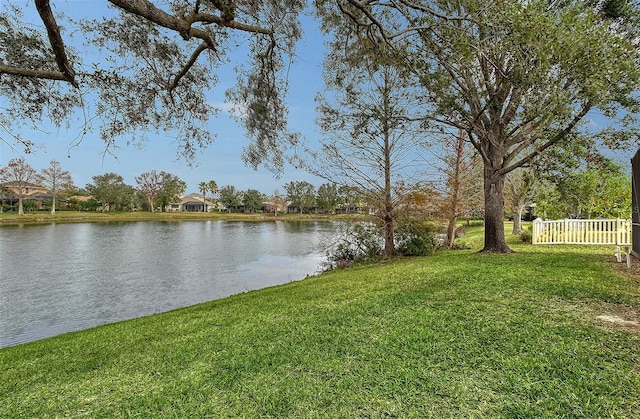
x=58 y=278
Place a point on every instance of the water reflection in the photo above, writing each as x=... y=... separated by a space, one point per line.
x=63 y=277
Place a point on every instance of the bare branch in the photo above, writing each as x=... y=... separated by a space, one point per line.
x=150 y=12
x=188 y=65
x=183 y=25
x=57 y=44
x=39 y=74
x=551 y=142
x=221 y=21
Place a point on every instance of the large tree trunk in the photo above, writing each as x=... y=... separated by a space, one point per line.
x=53 y=206
x=494 y=237
x=20 y=207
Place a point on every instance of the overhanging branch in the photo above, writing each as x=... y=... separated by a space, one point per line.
x=66 y=72
x=57 y=44
x=188 y=65
x=39 y=74
x=183 y=25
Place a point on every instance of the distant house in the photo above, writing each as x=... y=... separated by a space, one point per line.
x=26 y=189
x=193 y=203
x=29 y=192
x=271 y=206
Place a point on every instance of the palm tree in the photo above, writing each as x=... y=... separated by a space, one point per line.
x=203 y=189
x=213 y=187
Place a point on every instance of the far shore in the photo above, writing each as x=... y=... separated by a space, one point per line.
x=42 y=217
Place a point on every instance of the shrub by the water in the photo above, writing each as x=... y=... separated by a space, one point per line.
x=360 y=242
x=364 y=242
x=416 y=239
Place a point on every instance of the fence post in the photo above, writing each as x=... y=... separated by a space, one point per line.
x=536 y=230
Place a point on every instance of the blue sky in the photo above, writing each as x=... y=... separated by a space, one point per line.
x=221 y=161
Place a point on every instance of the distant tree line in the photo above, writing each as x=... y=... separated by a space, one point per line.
x=579 y=187
x=155 y=190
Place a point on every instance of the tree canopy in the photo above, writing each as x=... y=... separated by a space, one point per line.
x=302 y=195
x=111 y=191
x=149 y=66
x=518 y=77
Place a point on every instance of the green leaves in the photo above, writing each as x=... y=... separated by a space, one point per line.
x=149 y=68
x=519 y=77
x=111 y=191
x=301 y=194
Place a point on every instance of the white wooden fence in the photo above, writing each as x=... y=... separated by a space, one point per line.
x=616 y=232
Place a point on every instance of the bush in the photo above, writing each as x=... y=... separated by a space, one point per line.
x=526 y=236
x=361 y=242
x=416 y=239
x=29 y=206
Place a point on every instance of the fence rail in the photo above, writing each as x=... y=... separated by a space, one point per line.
x=617 y=232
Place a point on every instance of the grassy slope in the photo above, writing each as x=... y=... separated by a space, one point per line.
x=459 y=334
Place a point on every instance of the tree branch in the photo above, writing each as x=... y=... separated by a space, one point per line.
x=182 y=25
x=553 y=141
x=429 y=11
x=194 y=57
x=146 y=10
x=55 y=39
x=39 y=74
x=370 y=17
x=149 y=11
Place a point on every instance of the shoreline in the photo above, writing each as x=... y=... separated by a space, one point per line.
x=81 y=217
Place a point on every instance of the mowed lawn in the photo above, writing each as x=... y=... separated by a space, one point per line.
x=459 y=334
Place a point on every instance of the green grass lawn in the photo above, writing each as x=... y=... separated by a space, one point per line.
x=459 y=334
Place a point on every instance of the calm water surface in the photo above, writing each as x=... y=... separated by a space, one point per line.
x=64 y=277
